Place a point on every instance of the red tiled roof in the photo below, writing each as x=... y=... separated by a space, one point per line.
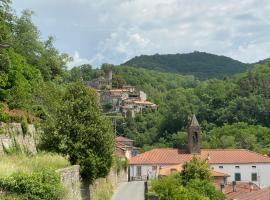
x=241 y=189
x=218 y=174
x=162 y=156
x=119 y=152
x=231 y=156
x=166 y=171
x=263 y=194
x=214 y=156
x=144 y=102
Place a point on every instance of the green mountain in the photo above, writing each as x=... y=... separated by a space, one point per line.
x=200 y=64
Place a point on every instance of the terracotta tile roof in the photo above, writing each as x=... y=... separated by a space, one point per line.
x=162 y=156
x=263 y=194
x=166 y=171
x=214 y=156
x=242 y=188
x=218 y=174
x=232 y=156
x=120 y=152
x=144 y=102
x=123 y=139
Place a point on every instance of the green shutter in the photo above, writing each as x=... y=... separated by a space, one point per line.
x=237 y=177
x=254 y=176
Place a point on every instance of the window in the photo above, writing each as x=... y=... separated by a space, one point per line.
x=154 y=168
x=139 y=171
x=195 y=138
x=173 y=171
x=237 y=177
x=253 y=167
x=220 y=167
x=237 y=167
x=254 y=177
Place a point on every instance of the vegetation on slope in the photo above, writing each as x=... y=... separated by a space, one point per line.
x=31 y=177
x=243 y=98
x=200 y=64
x=10 y=164
x=36 y=86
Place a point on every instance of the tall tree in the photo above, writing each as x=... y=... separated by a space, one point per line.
x=81 y=132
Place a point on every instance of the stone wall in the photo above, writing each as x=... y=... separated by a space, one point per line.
x=70 y=178
x=113 y=178
x=11 y=136
x=76 y=190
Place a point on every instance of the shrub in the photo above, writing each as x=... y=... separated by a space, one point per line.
x=195 y=169
x=119 y=164
x=43 y=185
x=205 y=188
x=24 y=125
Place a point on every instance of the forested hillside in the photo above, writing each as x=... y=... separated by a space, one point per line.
x=200 y=64
x=234 y=113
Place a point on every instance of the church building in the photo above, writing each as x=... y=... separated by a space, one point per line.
x=240 y=165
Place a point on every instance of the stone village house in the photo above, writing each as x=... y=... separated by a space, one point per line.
x=227 y=165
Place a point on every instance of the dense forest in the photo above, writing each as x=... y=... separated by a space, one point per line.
x=200 y=64
x=234 y=113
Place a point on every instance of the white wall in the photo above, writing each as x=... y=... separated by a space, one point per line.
x=145 y=169
x=262 y=170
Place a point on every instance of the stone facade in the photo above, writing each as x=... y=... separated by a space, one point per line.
x=12 y=135
x=70 y=178
x=76 y=190
x=194 y=136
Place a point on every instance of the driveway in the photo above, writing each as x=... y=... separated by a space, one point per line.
x=130 y=191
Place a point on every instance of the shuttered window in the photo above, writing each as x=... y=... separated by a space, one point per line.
x=254 y=177
x=237 y=177
x=139 y=171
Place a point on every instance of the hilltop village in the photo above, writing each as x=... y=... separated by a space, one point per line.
x=127 y=101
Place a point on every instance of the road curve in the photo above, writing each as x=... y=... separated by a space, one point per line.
x=130 y=191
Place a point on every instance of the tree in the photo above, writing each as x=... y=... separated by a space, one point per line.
x=82 y=133
x=205 y=188
x=195 y=169
x=169 y=188
x=118 y=81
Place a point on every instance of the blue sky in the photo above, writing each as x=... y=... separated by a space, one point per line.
x=113 y=31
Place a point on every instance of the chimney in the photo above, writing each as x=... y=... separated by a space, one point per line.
x=222 y=187
x=234 y=186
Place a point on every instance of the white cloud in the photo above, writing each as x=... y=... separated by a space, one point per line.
x=116 y=30
x=77 y=60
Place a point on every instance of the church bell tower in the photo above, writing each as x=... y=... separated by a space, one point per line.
x=194 y=136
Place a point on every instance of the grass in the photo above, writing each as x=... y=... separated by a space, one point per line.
x=104 y=192
x=10 y=164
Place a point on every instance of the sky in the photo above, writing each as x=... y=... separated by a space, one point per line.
x=113 y=31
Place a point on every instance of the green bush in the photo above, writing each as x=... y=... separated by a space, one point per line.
x=119 y=164
x=24 y=125
x=43 y=185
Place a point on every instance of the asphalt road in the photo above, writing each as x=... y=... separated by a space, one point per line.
x=130 y=191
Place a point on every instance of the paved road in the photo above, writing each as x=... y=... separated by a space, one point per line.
x=130 y=191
